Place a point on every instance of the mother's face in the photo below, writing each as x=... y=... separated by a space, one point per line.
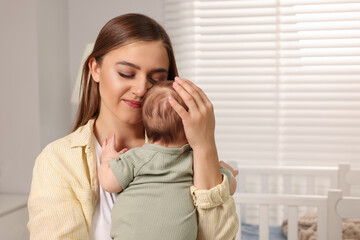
x=124 y=76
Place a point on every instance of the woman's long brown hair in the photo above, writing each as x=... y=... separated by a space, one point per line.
x=117 y=32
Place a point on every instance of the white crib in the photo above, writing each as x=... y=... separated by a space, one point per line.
x=332 y=207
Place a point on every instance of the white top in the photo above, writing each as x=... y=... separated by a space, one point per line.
x=101 y=223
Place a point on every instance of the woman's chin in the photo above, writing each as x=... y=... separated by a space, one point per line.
x=134 y=121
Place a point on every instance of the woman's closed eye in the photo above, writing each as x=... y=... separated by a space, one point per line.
x=155 y=79
x=126 y=75
x=151 y=79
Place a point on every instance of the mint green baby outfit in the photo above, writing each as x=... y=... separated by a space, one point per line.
x=156 y=202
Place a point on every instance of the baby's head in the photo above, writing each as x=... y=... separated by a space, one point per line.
x=162 y=123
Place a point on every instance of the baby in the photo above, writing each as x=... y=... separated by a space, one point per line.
x=155 y=179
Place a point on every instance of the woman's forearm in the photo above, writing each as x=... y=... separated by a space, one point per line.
x=199 y=126
x=206 y=167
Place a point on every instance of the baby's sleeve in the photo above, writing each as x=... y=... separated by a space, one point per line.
x=227 y=173
x=123 y=169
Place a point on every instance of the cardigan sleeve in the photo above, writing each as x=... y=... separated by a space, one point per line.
x=217 y=218
x=54 y=211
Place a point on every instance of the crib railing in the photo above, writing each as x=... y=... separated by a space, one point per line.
x=292 y=202
x=338 y=177
x=331 y=209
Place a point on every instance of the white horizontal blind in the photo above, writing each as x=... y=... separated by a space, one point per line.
x=284 y=76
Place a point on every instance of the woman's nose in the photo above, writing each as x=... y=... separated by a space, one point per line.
x=140 y=87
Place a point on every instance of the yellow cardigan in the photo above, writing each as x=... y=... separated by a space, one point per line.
x=65 y=190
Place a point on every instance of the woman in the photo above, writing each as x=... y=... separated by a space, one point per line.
x=131 y=52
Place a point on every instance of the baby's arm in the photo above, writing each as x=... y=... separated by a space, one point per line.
x=106 y=176
x=233 y=183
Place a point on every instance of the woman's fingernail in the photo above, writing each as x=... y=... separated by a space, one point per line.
x=171 y=99
x=177 y=79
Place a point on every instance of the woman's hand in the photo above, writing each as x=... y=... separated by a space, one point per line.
x=199 y=120
x=199 y=126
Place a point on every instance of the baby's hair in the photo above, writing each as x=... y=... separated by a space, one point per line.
x=160 y=119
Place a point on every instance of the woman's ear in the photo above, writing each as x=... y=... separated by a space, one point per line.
x=94 y=69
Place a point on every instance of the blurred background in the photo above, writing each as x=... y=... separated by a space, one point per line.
x=283 y=75
x=42 y=44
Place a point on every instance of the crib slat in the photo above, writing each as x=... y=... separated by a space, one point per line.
x=238 y=212
x=334 y=229
x=264 y=183
x=243 y=212
x=287 y=184
x=344 y=185
x=322 y=222
x=310 y=185
x=287 y=189
x=264 y=222
x=352 y=179
x=293 y=223
x=334 y=182
x=241 y=187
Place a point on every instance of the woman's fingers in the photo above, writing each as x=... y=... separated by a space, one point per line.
x=201 y=93
x=192 y=90
x=178 y=108
x=199 y=120
x=188 y=98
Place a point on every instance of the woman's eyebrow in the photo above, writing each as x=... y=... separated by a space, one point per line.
x=129 y=64
x=161 y=70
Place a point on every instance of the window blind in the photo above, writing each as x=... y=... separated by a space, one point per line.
x=284 y=76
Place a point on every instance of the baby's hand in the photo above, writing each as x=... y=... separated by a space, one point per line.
x=228 y=167
x=234 y=173
x=108 y=150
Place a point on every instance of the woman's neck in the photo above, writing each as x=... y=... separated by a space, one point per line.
x=126 y=135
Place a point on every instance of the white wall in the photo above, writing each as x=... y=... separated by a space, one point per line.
x=54 y=74
x=19 y=94
x=87 y=17
x=41 y=45
x=35 y=85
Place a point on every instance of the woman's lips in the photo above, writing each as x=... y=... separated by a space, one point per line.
x=134 y=104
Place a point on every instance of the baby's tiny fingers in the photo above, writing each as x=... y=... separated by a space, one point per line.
x=104 y=143
x=111 y=141
x=124 y=150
